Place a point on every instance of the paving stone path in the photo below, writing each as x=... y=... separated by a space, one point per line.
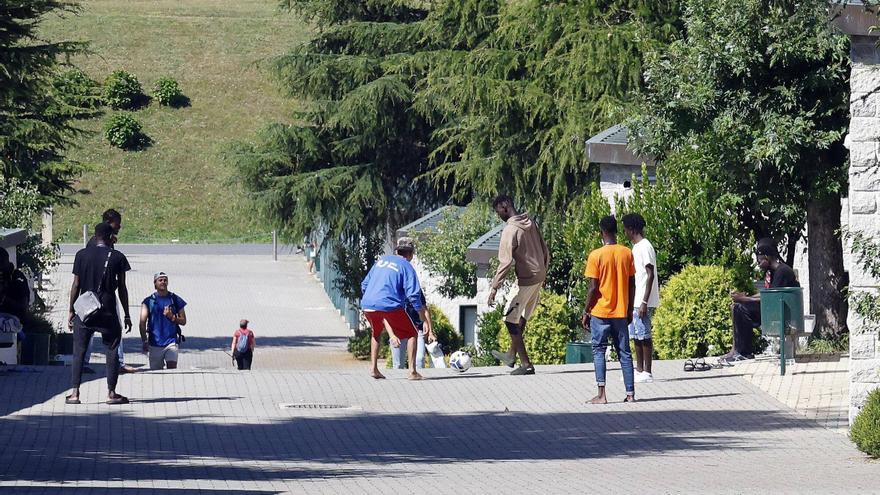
x=335 y=430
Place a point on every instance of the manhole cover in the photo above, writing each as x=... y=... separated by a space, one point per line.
x=313 y=406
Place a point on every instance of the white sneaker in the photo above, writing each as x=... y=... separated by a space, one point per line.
x=643 y=377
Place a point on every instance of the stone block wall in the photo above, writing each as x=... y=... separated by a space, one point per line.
x=861 y=210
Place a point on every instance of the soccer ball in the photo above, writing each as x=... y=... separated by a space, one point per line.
x=460 y=360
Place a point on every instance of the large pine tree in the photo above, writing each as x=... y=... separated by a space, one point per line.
x=515 y=112
x=351 y=162
x=36 y=120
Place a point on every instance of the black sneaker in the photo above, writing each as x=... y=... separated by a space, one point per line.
x=522 y=370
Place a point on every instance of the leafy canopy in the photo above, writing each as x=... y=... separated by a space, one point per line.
x=756 y=96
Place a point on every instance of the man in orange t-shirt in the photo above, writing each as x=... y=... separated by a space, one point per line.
x=609 y=306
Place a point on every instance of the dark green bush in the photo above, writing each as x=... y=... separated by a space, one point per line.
x=865 y=432
x=489 y=326
x=78 y=90
x=122 y=90
x=448 y=337
x=547 y=332
x=167 y=92
x=359 y=344
x=694 y=319
x=123 y=131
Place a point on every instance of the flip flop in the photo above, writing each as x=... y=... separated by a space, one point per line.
x=68 y=400
x=689 y=365
x=701 y=365
x=118 y=400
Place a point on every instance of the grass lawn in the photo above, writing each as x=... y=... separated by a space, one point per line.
x=179 y=188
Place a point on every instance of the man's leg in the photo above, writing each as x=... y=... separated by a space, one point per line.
x=112 y=342
x=411 y=345
x=420 y=350
x=239 y=360
x=517 y=344
x=634 y=334
x=156 y=357
x=398 y=356
x=375 y=344
x=81 y=338
x=521 y=344
x=170 y=356
x=248 y=359
x=620 y=335
x=599 y=329
x=744 y=322
x=377 y=324
x=648 y=343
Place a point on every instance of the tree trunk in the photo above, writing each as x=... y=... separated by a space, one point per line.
x=827 y=277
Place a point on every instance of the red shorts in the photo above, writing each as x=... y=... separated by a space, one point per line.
x=398 y=319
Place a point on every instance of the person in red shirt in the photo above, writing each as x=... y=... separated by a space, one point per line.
x=243 y=343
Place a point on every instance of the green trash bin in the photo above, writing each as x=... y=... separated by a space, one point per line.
x=578 y=352
x=782 y=313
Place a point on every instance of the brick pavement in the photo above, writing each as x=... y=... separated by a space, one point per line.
x=220 y=431
x=815 y=386
x=295 y=324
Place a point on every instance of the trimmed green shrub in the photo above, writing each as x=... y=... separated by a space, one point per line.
x=694 y=319
x=123 y=131
x=359 y=344
x=489 y=327
x=865 y=432
x=448 y=337
x=122 y=90
x=167 y=92
x=547 y=332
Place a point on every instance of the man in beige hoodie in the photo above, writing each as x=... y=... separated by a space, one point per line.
x=523 y=249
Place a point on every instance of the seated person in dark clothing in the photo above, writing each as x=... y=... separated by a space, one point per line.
x=15 y=292
x=747 y=309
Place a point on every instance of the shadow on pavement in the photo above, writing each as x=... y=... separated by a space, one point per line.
x=305 y=446
x=159 y=400
x=72 y=490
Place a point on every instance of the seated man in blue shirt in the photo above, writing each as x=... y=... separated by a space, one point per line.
x=390 y=284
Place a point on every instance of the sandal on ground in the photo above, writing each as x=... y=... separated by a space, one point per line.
x=689 y=365
x=118 y=400
x=701 y=365
x=70 y=400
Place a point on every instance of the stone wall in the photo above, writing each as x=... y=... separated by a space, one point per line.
x=861 y=210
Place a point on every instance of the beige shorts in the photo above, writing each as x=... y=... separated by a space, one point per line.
x=523 y=304
x=160 y=355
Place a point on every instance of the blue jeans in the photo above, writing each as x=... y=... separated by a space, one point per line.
x=399 y=355
x=603 y=329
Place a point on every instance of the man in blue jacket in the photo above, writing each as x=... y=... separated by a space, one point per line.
x=389 y=285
